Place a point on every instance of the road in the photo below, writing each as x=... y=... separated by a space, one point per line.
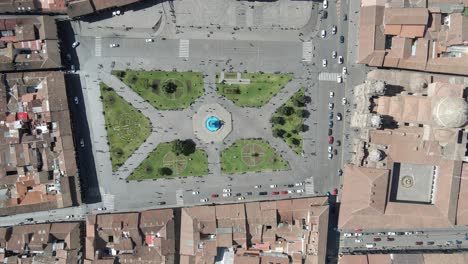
x=431 y=239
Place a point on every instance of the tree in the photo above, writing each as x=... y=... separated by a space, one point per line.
x=286 y=110
x=279 y=132
x=299 y=101
x=303 y=113
x=170 y=87
x=165 y=171
x=185 y=147
x=300 y=128
x=277 y=120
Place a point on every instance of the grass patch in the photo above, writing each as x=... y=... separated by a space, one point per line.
x=151 y=86
x=251 y=155
x=465 y=11
x=126 y=128
x=262 y=87
x=158 y=162
x=289 y=124
x=230 y=75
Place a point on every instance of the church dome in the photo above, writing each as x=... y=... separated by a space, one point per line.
x=450 y=112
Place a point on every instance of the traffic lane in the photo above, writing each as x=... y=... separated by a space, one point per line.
x=133 y=47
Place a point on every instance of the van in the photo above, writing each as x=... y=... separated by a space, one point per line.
x=370 y=245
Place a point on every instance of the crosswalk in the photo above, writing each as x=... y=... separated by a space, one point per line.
x=180 y=197
x=328 y=76
x=338 y=9
x=307 y=51
x=98 y=47
x=309 y=186
x=184 y=46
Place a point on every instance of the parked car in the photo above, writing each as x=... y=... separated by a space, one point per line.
x=338 y=143
x=273 y=186
x=324 y=63
x=330 y=149
x=370 y=245
x=340 y=172
x=339 y=116
x=262 y=193
x=344 y=71
x=257 y=186
x=298 y=184
x=248 y=193
x=226 y=190
x=75 y=44
x=377 y=239
x=330 y=115
x=357 y=240
x=274 y=193
x=325 y=4
x=240 y=198
x=204 y=200
x=330 y=124
x=330 y=140
x=82 y=143
x=116 y=13
x=148 y=40
x=345 y=17
x=238 y=194
x=330 y=106
x=408 y=233
x=390 y=239
x=340 y=60
x=330 y=132
x=195 y=192
x=114 y=45
x=214 y=196
x=347 y=234
x=430 y=243
x=284 y=192
x=226 y=194
x=419 y=243
x=161 y=203
x=324 y=14
x=75 y=99
x=335 y=191
x=339 y=79
x=330 y=156
x=344 y=101
x=300 y=191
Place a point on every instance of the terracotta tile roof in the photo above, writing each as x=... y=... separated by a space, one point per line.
x=406 y=16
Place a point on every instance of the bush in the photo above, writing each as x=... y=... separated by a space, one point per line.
x=165 y=171
x=279 y=132
x=170 y=87
x=299 y=101
x=296 y=142
x=185 y=147
x=132 y=79
x=286 y=110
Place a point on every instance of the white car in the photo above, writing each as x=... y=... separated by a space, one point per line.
x=347 y=234
x=113 y=45
x=257 y=186
x=339 y=79
x=345 y=71
x=298 y=184
x=273 y=186
x=338 y=117
x=330 y=106
x=290 y=191
x=116 y=13
x=226 y=190
x=300 y=191
x=344 y=101
x=75 y=44
x=370 y=245
x=408 y=233
x=226 y=194
x=325 y=4
x=357 y=240
x=324 y=63
x=195 y=192
x=75 y=99
x=240 y=198
x=149 y=40
x=358 y=234
x=330 y=149
x=340 y=60
x=330 y=156
x=323 y=33
x=334 y=30
x=391 y=233
x=68 y=216
x=332 y=94
x=204 y=200
x=101 y=209
x=334 y=54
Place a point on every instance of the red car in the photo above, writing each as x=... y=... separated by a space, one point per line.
x=358 y=230
x=335 y=191
x=330 y=140
x=275 y=193
x=419 y=243
x=214 y=195
x=377 y=239
x=284 y=192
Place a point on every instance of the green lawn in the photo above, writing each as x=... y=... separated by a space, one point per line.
x=262 y=87
x=251 y=155
x=195 y=164
x=150 y=86
x=126 y=128
x=293 y=124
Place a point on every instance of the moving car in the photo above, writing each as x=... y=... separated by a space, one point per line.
x=114 y=45
x=75 y=44
x=204 y=200
x=339 y=116
x=334 y=30
x=226 y=194
x=149 y=40
x=240 y=198
x=161 y=203
x=298 y=184
x=300 y=190
x=325 y=4
x=344 y=101
x=195 y=192
x=323 y=33
x=324 y=63
x=339 y=79
x=116 y=13
x=214 y=195
x=82 y=144
x=340 y=59
x=338 y=143
x=341 y=39
x=345 y=17
x=324 y=14
x=257 y=186
x=226 y=190
x=334 y=54
x=75 y=99
x=335 y=191
x=332 y=94
x=345 y=71
x=340 y=172
x=273 y=186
